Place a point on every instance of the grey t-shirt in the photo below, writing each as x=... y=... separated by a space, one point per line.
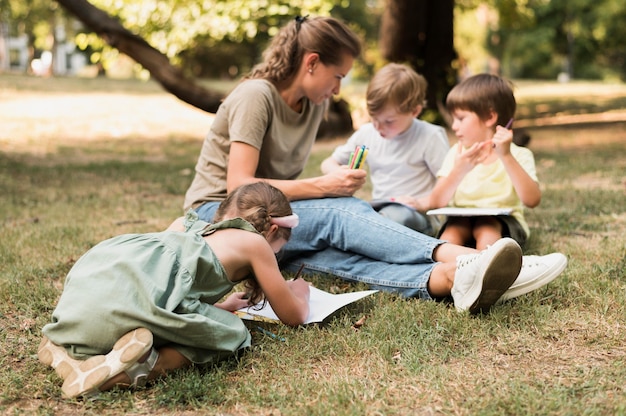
x=255 y=113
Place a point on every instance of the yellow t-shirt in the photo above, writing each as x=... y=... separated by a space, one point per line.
x=489 y=186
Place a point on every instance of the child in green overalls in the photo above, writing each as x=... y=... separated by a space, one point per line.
x=138 y=305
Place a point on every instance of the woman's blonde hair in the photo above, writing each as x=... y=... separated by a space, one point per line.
x=397 y=85
x=326 y=36
x=256 y=203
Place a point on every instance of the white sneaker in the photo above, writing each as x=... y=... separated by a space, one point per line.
x=480 y=279
x=537 y=271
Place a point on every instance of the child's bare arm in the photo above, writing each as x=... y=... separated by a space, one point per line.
x=233 y=302
x=443 y=191
x=329 y=165
x=526 y=187
x=446 y=186
x=289 y=300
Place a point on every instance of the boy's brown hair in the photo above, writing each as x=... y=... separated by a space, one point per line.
x=482 y=94
x=397 y=85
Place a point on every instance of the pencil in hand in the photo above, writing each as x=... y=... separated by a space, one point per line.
x=508 y=126
x=299 y=272
x=365 y=152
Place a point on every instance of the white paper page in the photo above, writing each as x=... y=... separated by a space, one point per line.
x=321 y=305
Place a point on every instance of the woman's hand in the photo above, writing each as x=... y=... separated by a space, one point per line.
x=342 y=182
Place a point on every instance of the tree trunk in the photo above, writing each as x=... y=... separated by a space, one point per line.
x=159 y=66
x=420 y=33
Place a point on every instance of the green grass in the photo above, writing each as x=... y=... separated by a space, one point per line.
x=560 y=350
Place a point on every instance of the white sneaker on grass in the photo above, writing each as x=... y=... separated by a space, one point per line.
x=481 y=279
x=537 y=271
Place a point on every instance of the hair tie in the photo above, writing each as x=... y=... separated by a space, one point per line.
x=299 y=21
x=289 y=221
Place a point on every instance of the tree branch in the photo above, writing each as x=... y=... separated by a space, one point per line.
x=170 y=77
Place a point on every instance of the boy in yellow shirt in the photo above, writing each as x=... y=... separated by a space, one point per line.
x=485 y=169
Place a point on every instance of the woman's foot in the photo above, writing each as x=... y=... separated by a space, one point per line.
x=96 y=371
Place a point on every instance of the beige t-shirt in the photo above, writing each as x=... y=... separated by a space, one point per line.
x=255 y=113
x=489 y=186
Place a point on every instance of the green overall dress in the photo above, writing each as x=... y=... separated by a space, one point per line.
x=167 y=282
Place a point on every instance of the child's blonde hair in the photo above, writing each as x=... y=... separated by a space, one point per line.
x=483 y=94
x=397 y=85
x=256 y=203
x=327 y=36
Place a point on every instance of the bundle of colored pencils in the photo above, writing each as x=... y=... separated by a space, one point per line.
x=357 y=158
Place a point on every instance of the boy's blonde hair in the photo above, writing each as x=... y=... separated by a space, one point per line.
x=327 y=36
x=482 y=94
x=397 y=85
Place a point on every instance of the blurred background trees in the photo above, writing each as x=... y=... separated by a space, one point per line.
x=444 y=40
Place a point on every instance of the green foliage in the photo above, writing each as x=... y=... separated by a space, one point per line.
x=530 y=38
x=532 y=56
x=542 y=38
x=173 y=27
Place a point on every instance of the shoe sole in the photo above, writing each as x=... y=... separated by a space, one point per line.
x=95 y=371
x=548 y=276
x=57 y=357
x=501 y=272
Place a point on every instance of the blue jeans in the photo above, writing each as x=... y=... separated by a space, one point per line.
x=408 y=217
x=345 y=237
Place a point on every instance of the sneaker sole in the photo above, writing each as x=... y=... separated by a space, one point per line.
x=95 y=371
x=548 y=276
x=57 y=357
x=501 y=272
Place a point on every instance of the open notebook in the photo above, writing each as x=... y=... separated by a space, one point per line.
x=321 y=305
